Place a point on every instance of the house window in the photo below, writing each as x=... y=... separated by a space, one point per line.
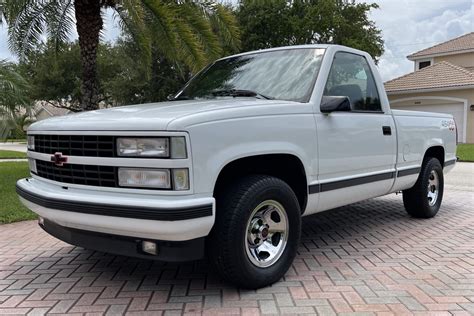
x=424 y=64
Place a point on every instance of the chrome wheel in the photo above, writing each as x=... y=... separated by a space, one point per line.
x=433 y=188
x=267 y=233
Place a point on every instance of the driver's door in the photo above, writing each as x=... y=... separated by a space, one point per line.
x=357 y=149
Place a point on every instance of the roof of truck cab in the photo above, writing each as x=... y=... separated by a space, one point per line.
x=321 y=46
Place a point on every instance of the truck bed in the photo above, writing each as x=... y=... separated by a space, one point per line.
x=420 y=114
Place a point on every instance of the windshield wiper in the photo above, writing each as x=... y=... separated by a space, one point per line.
x=181 y=97
x=240 y=93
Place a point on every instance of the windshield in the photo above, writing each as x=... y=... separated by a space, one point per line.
x=282 y=74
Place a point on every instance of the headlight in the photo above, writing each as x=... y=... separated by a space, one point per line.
x=160 y=147
x=148 y=178
x=143 y=147
x=31 y=142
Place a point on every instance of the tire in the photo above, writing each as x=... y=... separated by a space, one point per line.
x=243 y=211
x=421 y=201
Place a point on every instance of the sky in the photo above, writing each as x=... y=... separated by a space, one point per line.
x=411 y=25
x=407 y=26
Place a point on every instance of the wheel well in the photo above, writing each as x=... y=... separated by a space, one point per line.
x=435 y=152
x=286 y=167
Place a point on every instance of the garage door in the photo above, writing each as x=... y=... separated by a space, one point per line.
x=456 y=110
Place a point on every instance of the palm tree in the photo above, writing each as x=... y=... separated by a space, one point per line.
x=13 y=97
x=193 y=32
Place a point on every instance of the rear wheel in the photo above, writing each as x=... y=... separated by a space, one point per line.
x=257 y=231
x=423 y=200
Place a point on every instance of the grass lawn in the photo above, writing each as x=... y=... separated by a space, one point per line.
x=11 y=209
x=466 y=152
x=8 y=154
x=15 y=140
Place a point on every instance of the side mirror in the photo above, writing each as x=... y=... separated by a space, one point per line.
x=335 y=104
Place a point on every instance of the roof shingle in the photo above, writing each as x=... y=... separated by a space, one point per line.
x=458 y=44
x=438 y=76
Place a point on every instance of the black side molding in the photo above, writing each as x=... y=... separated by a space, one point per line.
x=315 y=188
x=408 y=172
x=449 y=162
x=138 y=212
x=357 y=181
x=324 y=187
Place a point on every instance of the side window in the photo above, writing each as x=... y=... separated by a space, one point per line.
x=350 y=76
x=424 y=64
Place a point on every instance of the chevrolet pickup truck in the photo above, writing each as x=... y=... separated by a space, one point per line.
x=229 y=166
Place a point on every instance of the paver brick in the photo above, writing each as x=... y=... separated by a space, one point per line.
x=368 y=258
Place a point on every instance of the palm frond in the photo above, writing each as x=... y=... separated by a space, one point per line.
x=189 y=49
x=13 y=88
x=13 y=96
x=132 y=20
x=60 y=21
x=198 y=21
x=29 y=22
x=224 y=24
x=193 y=32
x=160 y=18
x=26 y=25
x=2 y=13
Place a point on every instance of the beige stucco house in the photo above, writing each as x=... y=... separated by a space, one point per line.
x=442 y=81
x=44 y=110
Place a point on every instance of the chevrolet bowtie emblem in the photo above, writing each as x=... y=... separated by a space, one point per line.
x=58 y=159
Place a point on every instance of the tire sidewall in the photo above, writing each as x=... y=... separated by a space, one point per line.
x=432 y=164
x=284 y=196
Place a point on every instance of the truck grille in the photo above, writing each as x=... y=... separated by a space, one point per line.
x=78 y=174
x=76 y=145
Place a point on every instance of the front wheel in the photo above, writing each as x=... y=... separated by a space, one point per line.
x=257 y=231
x=423 y=200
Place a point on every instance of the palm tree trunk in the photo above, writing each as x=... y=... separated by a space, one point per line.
x=89 y=24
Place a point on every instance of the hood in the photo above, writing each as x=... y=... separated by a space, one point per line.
x=156 y=116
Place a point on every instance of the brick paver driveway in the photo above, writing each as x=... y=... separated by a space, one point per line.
x=366 y=258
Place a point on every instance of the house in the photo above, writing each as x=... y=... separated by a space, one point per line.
x=442 y=81
x=43 y=110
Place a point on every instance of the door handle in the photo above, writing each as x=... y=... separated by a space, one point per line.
x=387 y=130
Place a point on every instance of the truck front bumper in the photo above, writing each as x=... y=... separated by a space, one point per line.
x=94 y=219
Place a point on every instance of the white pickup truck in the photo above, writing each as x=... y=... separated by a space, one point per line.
x=249 y=146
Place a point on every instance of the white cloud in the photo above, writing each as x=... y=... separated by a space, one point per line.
x=409 y=26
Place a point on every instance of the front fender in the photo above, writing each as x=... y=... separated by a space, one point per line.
x=215 y=144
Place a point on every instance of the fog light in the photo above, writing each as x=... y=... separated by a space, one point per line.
x=41 y=221
x=149 y=247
